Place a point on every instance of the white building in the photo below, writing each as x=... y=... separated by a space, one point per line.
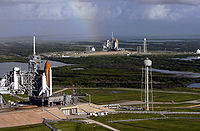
x=198 y=51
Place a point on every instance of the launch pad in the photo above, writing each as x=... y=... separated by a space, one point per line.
x=112 y=45
x=51 y=100
x=36 y=83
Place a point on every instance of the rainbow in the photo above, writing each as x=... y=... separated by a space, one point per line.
x=86 y=16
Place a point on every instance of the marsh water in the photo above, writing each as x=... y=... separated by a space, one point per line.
x=182 y=74
x=188 y=58
x=178 y=73
x=193 y=85
x=8 y=66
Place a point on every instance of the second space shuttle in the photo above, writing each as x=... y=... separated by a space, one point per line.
x=116 y=44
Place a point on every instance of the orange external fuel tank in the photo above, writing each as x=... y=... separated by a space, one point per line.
x=116 y=43
x=46 y=69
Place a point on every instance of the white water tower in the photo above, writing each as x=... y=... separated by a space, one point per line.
x=147 y=83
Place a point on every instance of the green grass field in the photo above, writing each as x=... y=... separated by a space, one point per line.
x=64 y=126
x=158 y=125
x=72 y=126
x=8 y=97
x=36 y=127
x=150 y=125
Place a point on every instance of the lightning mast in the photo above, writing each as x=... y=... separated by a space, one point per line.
x=34 y=45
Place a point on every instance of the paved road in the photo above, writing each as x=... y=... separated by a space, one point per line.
x=163 y=118
x=101 y=124
x=178 y=92
x=140 y=102
x=154 y=112
x=61 y=90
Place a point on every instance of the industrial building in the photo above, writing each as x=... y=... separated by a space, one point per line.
x=86 y=109
x=198 y=51
x=90 y=49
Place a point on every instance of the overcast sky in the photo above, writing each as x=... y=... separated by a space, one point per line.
x=99 y=17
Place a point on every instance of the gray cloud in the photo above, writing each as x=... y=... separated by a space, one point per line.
x=18 y=2
x=60 y=9
x=103 y=15
x=96 y=9
x=187 y=2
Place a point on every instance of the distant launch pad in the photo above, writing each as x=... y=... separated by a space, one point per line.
x=112 y=45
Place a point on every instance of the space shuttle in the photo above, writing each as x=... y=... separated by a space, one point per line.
x=46 y=80
x=116 y=44
x=111 y=45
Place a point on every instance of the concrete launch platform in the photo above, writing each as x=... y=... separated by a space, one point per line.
x=29 y=117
